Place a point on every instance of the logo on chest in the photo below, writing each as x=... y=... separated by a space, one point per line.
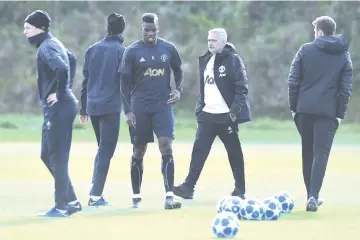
x=153 y=72
x=209 y=80
x=222 y=71
x=164 y=57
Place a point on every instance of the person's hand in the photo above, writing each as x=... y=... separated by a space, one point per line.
x=84 y=119
x=339 y=120
x=131 y=120
x=52 y=99
x=174 y=97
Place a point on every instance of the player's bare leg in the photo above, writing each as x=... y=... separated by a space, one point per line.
x=167 y=170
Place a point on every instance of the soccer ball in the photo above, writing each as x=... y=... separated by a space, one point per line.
x=225 y=225
x=232 y=204
x=286 y=201
x=272 y=209
x=251 y=210
x=220 y=204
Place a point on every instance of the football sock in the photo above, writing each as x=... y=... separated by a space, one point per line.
x=61 y=210
x=136 y=196
x=95 y=198
x=136 y=174
x=169 y=194
x=73 y=202
x=167 y=170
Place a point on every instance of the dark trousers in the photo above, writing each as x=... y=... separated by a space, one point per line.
x=55 y=148
x=317 y=135
x=207 y=130
x=106 y=128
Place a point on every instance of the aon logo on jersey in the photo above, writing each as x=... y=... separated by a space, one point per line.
x=154 y=72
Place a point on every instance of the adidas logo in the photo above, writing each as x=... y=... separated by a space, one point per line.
x=230 y=130
x=142 y=59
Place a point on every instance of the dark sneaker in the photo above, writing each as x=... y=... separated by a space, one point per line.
x=171 y=203
x=312 y=205
x=74 y=208
x=136 y=202
x=55 y=213
x=237 y=193
x=99 y=203
x=184 y=191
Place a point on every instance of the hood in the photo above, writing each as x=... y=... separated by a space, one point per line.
x=334 y=44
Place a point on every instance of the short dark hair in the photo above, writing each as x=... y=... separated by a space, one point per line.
x=325 y=24
x=149 y=18
x=115 y=23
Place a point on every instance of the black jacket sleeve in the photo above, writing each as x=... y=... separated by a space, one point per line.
x=294 y=80
x=84 y=86
x=72 y=61
x=50 y=54
x=241 y=85
x=345 y=87
x=200 y=104
x=125 y=84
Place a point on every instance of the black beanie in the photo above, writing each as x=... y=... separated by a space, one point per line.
x=39 y=19
x=115 y=23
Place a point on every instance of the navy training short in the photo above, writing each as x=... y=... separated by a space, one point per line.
x=161 y=122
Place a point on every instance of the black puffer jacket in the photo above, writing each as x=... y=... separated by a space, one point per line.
x=320 y=79
x=231 y=80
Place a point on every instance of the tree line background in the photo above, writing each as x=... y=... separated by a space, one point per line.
x=266 y=35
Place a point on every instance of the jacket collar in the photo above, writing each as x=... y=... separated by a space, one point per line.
x=228 y=49
x=116 y=37
x=38 y=39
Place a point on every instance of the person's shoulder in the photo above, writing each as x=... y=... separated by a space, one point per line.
x=50 y=43
x=306 y=47
x=166 y=43
x=94 y=45
x=133 y=47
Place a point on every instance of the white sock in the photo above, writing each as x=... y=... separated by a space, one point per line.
x=62 y=211
x=95 y=198
x=137 y=195
x=73 y=202
x=169 y=194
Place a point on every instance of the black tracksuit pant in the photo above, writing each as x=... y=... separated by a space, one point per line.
x=55 y=148
x=317 y=134
x=106 y=128
x=210 y=126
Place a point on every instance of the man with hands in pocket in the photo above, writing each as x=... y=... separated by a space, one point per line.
x=320 y=85
x=222 y=105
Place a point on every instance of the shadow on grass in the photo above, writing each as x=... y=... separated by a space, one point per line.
x=94 y=212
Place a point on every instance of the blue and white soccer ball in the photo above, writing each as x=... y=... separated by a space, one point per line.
x=272 y=209
x=220 y=204
x=251 y=209
x=286 y=201
x=225 y=225
x=232 y=204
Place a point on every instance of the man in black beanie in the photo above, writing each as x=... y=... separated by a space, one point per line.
x=56 y=69
x=100 y=99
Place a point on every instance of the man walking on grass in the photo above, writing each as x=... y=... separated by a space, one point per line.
x=320 y=85
x=222 y=105
x=101 y=100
